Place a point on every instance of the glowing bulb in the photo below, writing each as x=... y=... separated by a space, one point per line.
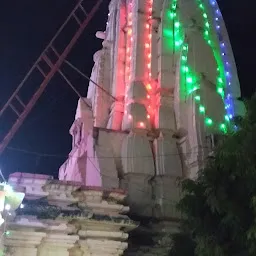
x=149 y=86
x=223 y=127
x=185 y=69
x=184 y=58
x=142 y=124
x=7 y=207
x=197 y=98
x=147 y=45
x=202 y=109
x=177 y=24
x=172 y=15
x=220 y=90
x=148 y=116
x=178 y=43
x=226 y=117
x=189 y=80
x=208 y=121
x=22 y=206
x=220 y=80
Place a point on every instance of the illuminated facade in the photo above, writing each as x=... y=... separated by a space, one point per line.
x=169 y=68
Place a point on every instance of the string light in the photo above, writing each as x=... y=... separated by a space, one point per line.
x=175 y=33
x=147 y=56
x=190 y=82
x=223 y=69
x=129 y=45
x=217 y=17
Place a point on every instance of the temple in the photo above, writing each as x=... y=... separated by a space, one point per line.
x=164 y=89
x=163 y=92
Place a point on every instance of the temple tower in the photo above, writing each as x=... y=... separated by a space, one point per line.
x=169 y=91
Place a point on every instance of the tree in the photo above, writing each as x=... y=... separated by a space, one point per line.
x=220 y=205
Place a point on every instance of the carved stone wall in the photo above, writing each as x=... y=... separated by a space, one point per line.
x=66 y=219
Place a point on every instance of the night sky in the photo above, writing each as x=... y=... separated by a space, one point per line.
x=43 y=142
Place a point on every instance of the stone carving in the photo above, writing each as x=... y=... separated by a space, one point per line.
x=93 y=222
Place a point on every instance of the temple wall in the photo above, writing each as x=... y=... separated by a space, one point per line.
x=65 y=219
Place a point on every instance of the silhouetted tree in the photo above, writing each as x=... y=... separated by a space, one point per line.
x=220 y=205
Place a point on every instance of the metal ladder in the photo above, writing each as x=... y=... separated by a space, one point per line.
x=47 y=66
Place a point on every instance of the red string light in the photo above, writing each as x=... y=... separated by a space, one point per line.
x=148 y=55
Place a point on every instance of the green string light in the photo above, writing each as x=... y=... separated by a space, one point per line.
x=190 y=83
x=220 y=85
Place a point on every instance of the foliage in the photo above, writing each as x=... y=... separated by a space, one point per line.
x=220 y=205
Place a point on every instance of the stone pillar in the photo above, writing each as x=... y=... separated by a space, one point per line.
x=139 y=167
x=23 y=243
x=168 y=159
x=168 y=170
x=57 y=245
x=136 y=100
x=117 y=18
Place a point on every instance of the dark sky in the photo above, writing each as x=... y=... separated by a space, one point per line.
x=26 y=28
